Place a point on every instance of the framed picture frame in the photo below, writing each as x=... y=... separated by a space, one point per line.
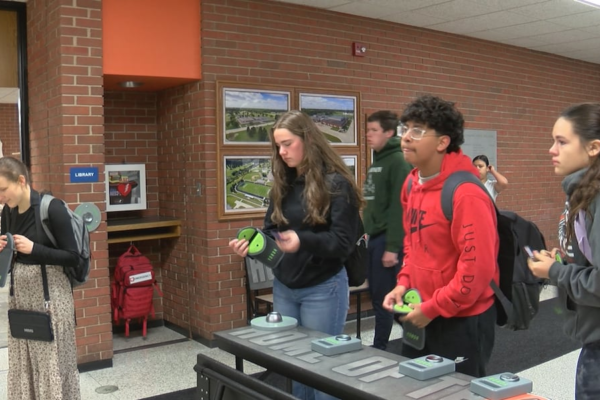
x=352 y=164
x=247 y=114
x=334 y=114
x=246 y=182
x=125 y=187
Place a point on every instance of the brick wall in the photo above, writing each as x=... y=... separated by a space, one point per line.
x=514 y=91
x=66 y=130
x=9 y=129
x=130 y=137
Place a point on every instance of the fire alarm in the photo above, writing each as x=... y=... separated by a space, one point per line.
x=358 y=49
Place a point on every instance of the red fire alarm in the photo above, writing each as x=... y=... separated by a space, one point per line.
x=359 y=49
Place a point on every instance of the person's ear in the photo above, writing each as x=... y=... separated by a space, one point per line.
x=443 y=143
x=21 y=180
x=593 y=148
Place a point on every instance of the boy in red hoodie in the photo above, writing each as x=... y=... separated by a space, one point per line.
x=450 y=263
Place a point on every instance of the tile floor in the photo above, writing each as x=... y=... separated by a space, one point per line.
x=149 y=371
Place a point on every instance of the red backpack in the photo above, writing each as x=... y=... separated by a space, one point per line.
x=133 y=288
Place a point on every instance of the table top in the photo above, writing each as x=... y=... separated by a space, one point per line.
x=362 y=375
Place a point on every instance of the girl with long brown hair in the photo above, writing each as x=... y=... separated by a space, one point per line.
x=313 y=215
x=576 y=156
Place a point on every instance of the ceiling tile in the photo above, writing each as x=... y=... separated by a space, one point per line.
x=317 y=3
x=402 y=5
x=454 y=10
x=413 y=18
x=519 y=31
x=362 y=9
x=552 y=9
x=482 y=22
x=590 y=18
x=572 y=35
x=503 y=5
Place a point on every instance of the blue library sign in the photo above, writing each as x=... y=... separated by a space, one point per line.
x=84 y=174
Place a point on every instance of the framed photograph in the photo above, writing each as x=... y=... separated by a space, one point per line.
x=351 y=162
x=247 y=115
x=335 y=115
x=246 y=181
x=125 y=187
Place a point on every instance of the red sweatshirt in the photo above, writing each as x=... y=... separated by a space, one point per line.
x=451 y=264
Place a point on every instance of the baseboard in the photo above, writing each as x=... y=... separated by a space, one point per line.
x=137 y=326
x=95 y=365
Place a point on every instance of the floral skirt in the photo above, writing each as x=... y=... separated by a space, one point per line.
x=43 y=370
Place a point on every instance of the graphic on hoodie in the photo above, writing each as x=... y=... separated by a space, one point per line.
x=416 y=220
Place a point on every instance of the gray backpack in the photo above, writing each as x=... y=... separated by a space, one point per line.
x=78 y=275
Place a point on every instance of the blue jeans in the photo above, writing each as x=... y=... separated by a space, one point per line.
x=587 y=384
x=322 y=307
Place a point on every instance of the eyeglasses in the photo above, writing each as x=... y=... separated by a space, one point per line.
x=415 y=133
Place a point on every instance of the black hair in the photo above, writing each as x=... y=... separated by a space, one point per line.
x=483 y=158
x=440 y=115
x=388 y=120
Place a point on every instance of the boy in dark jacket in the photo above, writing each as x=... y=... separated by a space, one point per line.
x=451 y=263
x=381 y=190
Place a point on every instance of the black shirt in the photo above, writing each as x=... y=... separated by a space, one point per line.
x=43 y=251
x=323 y=248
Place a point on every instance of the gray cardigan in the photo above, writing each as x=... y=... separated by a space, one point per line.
x=578 y=282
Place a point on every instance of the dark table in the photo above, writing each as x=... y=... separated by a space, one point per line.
x=367 y=374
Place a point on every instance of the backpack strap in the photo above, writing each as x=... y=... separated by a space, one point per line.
x=44 y=216
x=452 y=183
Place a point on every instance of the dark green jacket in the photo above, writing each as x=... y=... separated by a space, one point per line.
x=382 y=188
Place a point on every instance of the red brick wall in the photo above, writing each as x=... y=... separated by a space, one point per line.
x=9 y=129
x=66 y=129
x=130 y=137
x=514 y=91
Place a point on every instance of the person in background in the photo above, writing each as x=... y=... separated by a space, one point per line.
x=494 y=186
x=450 y=263
x=39 y=370
x=313 y=215
x=383 y=215
x=576 y=157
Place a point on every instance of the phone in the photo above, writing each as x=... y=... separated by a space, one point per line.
x=529 y=252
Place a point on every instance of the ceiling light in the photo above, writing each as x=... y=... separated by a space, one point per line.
x=593 y=3
x=130 y=84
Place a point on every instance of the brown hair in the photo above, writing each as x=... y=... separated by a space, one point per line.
x=319 y=160
x=585 y=119
x=11 y=169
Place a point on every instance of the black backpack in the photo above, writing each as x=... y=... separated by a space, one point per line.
x=356 y=263
x=518 y=292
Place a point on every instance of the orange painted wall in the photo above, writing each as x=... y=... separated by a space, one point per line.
x=151 y=38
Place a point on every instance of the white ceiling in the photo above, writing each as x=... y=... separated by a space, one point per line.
x=562 y=27
x=9 y=95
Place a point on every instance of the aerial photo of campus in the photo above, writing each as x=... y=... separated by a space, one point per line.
x=248 y=181
x=334 y=116
x=250 y=115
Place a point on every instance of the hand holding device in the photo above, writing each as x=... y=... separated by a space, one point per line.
x=529 y=252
